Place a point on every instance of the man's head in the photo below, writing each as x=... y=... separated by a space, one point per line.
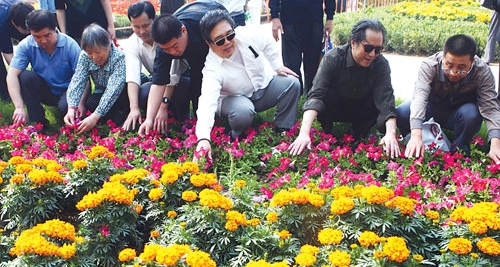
x=367 y=41
x=458 y=56
x=141 y=15
x=217 y=29
x=170 y=34
x=42 y=26
x=17 y=15
x=96 y=43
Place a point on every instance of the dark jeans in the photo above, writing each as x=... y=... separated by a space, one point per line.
x=118 y=112
x=302 y=43
x=4 y=93
x=362 y=115
x=36 y=91
x=464 y=120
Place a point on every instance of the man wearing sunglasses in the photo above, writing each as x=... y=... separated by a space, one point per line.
x=353 y=85
x=457 y=89
x=178 y=37
x=236 y=83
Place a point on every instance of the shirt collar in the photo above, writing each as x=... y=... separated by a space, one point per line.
x=442 y=78
x=349 y=63
x=107 y=66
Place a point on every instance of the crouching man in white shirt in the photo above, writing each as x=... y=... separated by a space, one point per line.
x=236 y=83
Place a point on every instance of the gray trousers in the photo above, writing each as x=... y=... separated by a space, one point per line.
x=282 y=92
x=493 y=37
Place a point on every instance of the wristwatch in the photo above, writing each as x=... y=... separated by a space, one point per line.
x=165 y=100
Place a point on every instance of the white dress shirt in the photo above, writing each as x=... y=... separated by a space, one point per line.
x=241 y=75
x=139 y=54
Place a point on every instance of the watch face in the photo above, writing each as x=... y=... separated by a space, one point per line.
x=165 y=100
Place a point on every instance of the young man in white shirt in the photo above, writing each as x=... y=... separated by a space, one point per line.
x=236 y=83
x=140 y=51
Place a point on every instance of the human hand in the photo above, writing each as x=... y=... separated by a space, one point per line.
x=414 y=147
x=134 y=119
x=390 y=145
x=111 y=32
x=203 y=149
x=494 y=153
x=302 y=142
x=19 y=116
x=161 y=121
x=284 y=71
x=70 y=117
x=88 y=123
x=145 y=127
x=328 y=27
x=277 y=28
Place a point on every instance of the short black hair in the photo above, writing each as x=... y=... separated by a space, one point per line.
x=460 y=45
x=358 y=32
x=136 y=9
x=40 y=19
x=165 y=27
x=18 y=13
x=209 y=20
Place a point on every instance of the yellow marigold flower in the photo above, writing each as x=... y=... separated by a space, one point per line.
x=155 y=183
x=353 y=246
x=16 y=160
x=172 y=167
x=182 y=224
x=489 y=246
x=231 y=226
x=169 y=177
x=191 y=167
x=284 y=234
x=474 y=255
x=240 y=183
x=281 y=199
x=272 y=216
x=418 y=257
x=133 y=176
x=3 y=164
x=308 y=249
x=1 y=180
x=305 y=259
x=494 y=224
x=253 y=222
x=213 y=199
x=98 y=151
x=404 y=204
x=54 y=166
x=301 y=197
x=329 y=236
x=259 y=263
x=217 y=187
x=236 y=216
x=378 y=254
x=172 y=214
x=368 y=238
x=67 y=251
x=457 y=214
x=127 y=255
x=316 y=200
x=189 y=196
x=16 y=179
x=376 y=195
x=80 y=164
x=199 y=259
x=460 y=245
x=432 y=215
x=395 y=249
x=342 y=191
x=23 y=168
x=478 y=227
x=339 y=258
x=155 y=194
x=278 y=264
x=89 y=201
x=149 y=253
x=154 y=234
x=342 y=205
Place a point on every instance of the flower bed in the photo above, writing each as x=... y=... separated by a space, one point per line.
x=107 y=200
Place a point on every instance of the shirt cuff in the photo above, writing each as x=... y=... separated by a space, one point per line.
x=493 y=133
x=416 y=123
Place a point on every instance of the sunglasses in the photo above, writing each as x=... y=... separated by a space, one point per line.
x=222 y=40
x=369 y=48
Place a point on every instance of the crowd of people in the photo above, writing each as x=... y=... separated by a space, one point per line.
x=202 y=61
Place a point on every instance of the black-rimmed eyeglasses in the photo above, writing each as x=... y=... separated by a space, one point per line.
x=222 y=40
x=369 y=48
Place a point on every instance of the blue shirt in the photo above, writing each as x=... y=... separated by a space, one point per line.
x=7 y=31
x=56 y=69
x=109 y=80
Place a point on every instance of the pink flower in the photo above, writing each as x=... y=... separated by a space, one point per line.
x=104 y=230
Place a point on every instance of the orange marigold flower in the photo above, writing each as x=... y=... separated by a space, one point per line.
x=316 y=200
x=329 y=236
x=404 y=204
x=395 y=249
x=16 y=179
x=300 y=196
x=457 y=214
x=172 y=214
x=489 y=246
x=199 y=259
x=240 y=183
x=80 y=164
x=282 y=198
x=368 y=238
x=191 y=167
x=432 y=215
x=284 y=234
x=169 y=177
x=253 y=222
x=137 y=208
x=16 y=160
x=127 y=255
x=154 y=234
x=189 y=196
x=478 y=227
x=376 y=195
x=460 y=245
x=342 y=191
x=231 y=226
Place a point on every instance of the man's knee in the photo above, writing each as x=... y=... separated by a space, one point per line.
x=469 y=117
